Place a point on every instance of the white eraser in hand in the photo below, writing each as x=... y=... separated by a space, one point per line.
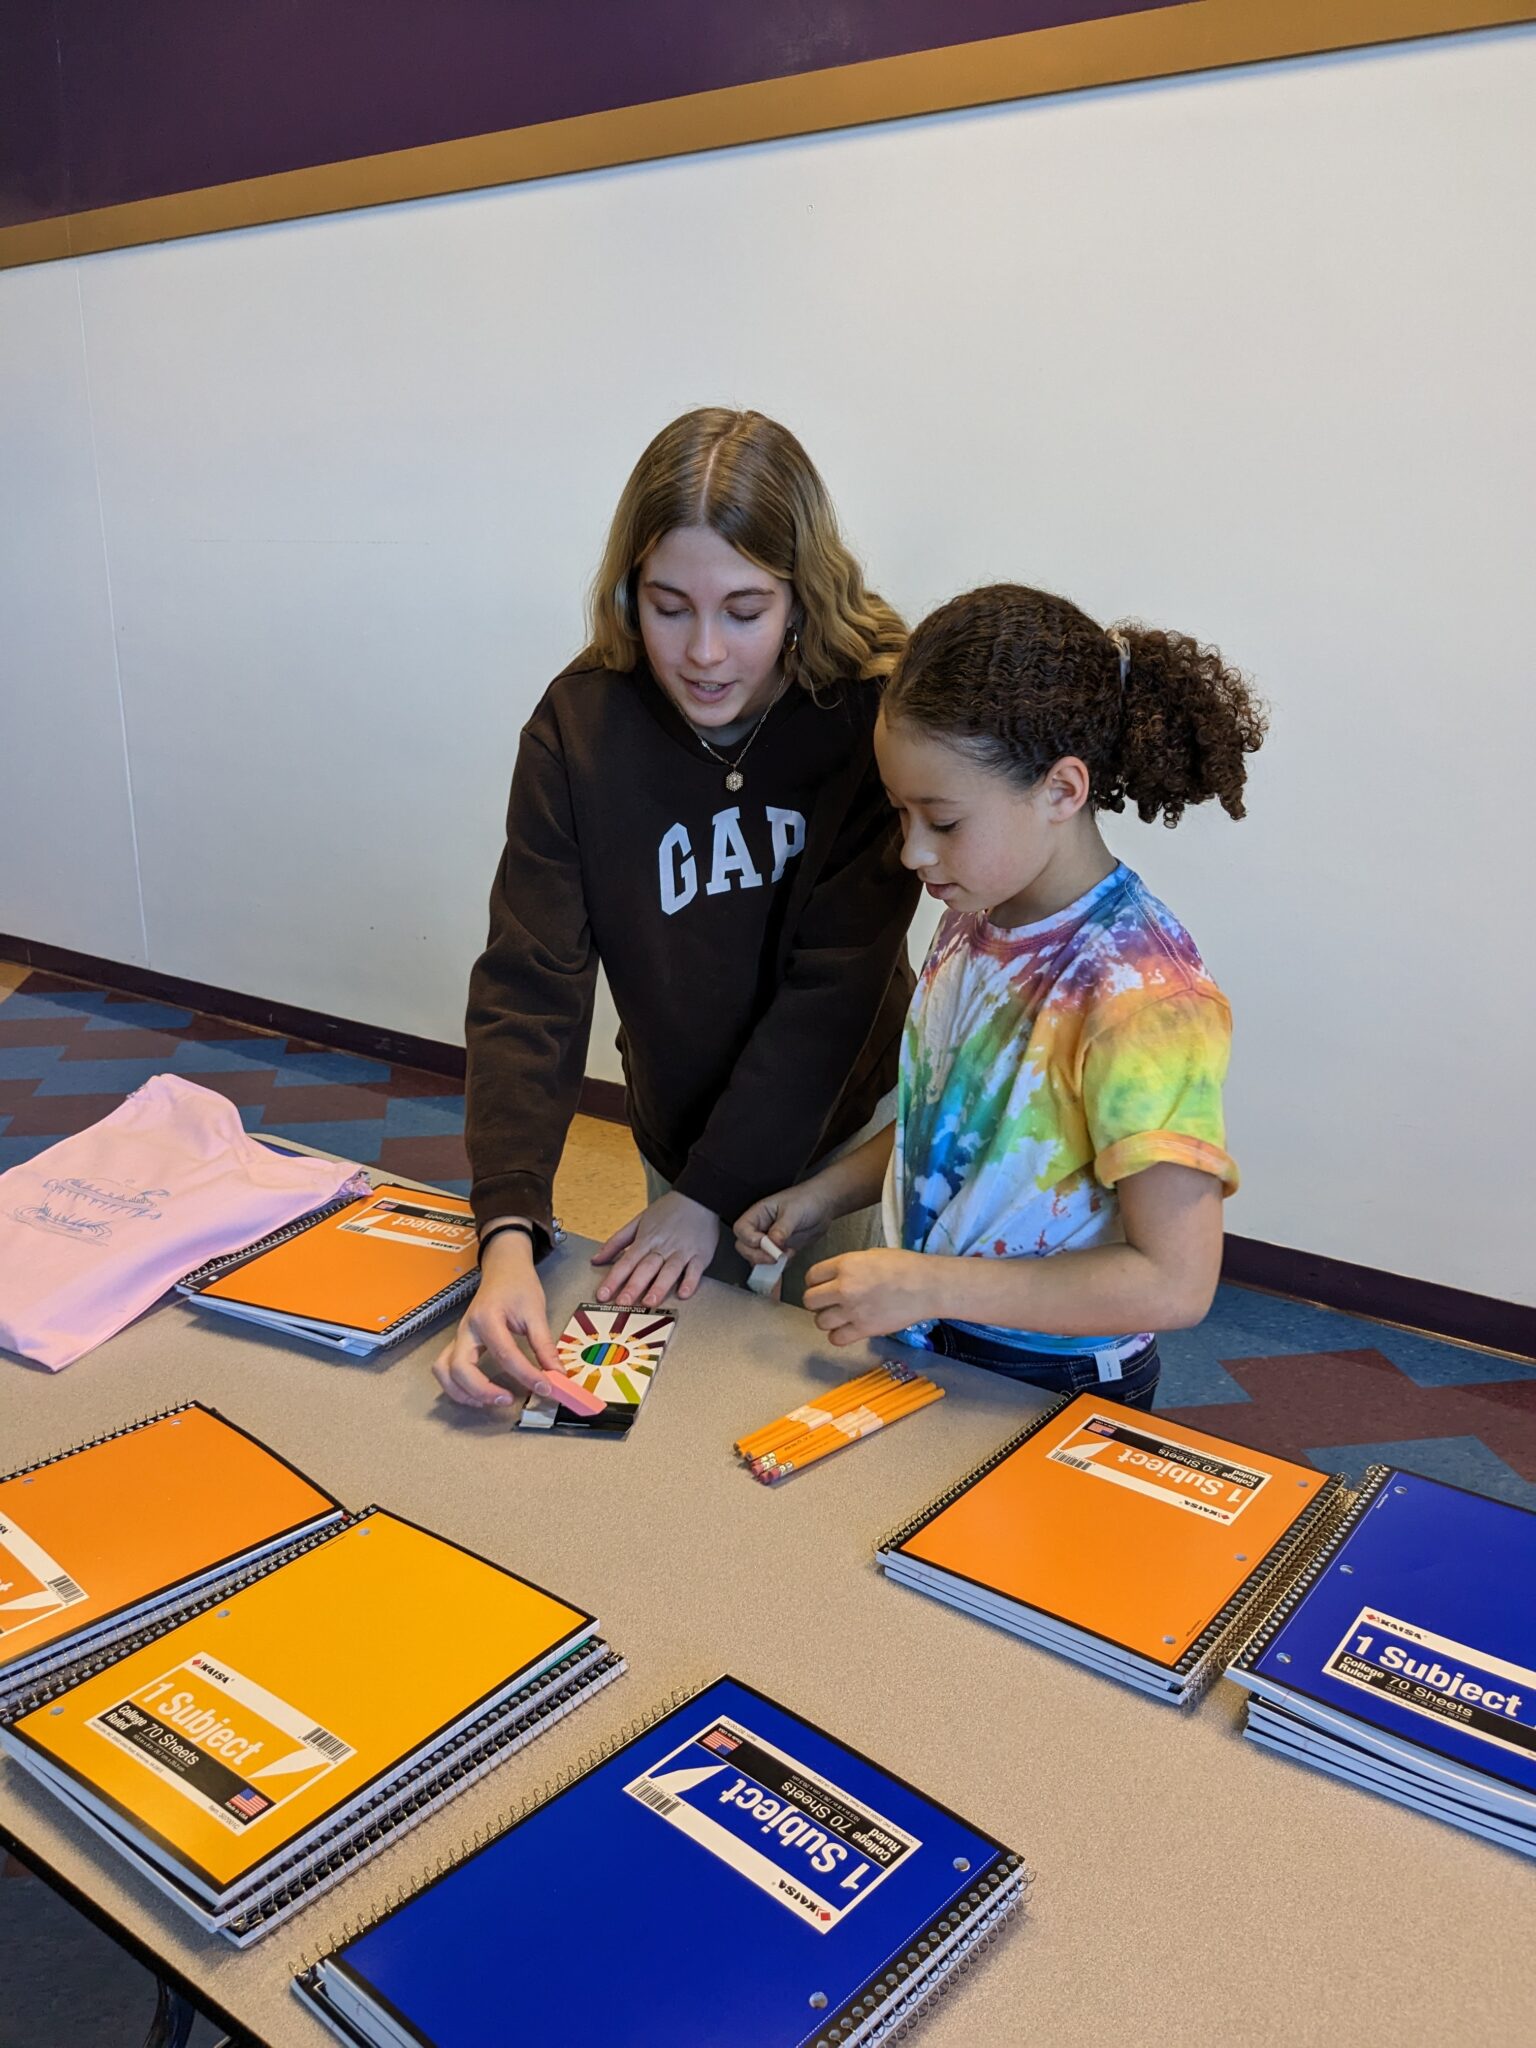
x=763 y=1279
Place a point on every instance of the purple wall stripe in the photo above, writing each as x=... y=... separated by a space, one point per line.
x=103 y=105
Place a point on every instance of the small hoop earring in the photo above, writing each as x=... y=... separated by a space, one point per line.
x=792 y=641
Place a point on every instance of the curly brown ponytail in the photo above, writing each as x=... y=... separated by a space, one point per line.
x=1017 y=679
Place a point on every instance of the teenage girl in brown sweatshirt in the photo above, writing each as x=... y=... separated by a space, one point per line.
x=696 y=805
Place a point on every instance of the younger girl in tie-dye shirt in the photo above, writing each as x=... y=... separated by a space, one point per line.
x=1053 y=1183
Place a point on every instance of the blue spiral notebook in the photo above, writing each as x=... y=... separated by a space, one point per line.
x=1404 y=1661
x=751 y=1880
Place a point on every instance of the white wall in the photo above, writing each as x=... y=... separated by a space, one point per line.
x=1247 y=354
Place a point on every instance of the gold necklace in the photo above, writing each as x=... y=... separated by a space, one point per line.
x=734 y=779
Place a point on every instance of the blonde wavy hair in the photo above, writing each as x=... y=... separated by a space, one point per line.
x=747 y=479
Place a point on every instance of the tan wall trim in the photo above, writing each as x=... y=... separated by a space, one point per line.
x=1195 y=36
x=38 y=241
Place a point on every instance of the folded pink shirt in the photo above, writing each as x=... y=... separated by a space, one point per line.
x=96 y=1228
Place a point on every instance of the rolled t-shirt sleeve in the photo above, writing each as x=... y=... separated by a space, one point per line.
x=1151 y=1088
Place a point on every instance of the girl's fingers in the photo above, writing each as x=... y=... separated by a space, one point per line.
x=613 y=1281
x=539 y=1341
x=642 y=1271
x=458 y=1374
x=628 y=1262
x=665 y=1280
x=462 y=1380
x=689 y=1284
x=607 y=1253
x=560 y=1387
x=461 y=1350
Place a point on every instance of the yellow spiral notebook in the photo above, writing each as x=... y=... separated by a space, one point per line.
x=223 y=1751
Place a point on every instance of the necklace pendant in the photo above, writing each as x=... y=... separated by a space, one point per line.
x=734 y=780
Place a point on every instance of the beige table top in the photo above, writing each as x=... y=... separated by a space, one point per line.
x=1188 y=1888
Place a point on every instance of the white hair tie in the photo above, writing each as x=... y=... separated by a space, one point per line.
x=1122 y=647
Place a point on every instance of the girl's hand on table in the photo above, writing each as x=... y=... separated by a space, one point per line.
x=667 y=1246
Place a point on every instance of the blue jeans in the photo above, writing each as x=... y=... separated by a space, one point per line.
x=1052 y=1374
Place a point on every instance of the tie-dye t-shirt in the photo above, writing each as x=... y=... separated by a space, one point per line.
x=1042 y=1064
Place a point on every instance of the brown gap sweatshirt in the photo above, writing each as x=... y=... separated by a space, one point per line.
x=754 y=942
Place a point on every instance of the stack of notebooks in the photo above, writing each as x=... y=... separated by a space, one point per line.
x=1404 y=1662
x=250 y=1745
x=1146 y=1554
x=760 y=1883
x=358 y=1275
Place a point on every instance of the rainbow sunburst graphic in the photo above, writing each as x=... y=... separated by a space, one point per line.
x=614 y=1352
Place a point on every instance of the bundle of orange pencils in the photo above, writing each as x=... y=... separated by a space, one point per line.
x=835 y=1419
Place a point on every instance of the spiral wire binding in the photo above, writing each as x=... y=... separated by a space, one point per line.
x=56 y=1683
x=396 y=1896
x=885 y=2009
x=475 y=1751
x=900 y=2021
x=1376 y=1477
x=446 y=1297
x=907 y=1530
x=1203 y=1661
x=226 y=1262
x=107 y=1436
x=478 y=1751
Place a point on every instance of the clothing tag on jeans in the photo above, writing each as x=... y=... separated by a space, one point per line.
x=1109 y=1364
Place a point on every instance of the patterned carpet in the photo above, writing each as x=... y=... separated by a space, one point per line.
x=69 y=1054
x=1277 y=1374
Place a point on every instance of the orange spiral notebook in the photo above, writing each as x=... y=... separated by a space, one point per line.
x=237 y=1756
x=1140 y=1550
x=97 y=1540
x=359 y=1274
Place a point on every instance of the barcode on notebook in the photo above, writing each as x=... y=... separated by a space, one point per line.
x=328 y=1745
x=66 y=1588
x=662 y=1801
x=1077 y=1464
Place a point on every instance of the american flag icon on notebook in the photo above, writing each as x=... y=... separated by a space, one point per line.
x=248 y=1803
x=718 y=1739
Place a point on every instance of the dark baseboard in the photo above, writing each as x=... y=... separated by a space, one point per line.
x=604 y=1099
x=1478 y=1319
x=343 y=1034
x=1384 y=1297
